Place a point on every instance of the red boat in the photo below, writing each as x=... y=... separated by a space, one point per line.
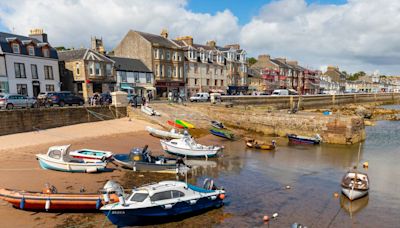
x=175 y=125
x=50 y=200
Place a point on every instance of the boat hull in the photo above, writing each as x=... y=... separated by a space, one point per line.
x=298 y=140
x=163 y=134
x=122 y=159
x=354 y=194
x=222 y=134
x=190 y=153
x=131 y=217
x=71 y=167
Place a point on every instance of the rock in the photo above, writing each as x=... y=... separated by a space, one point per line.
x=363 y=112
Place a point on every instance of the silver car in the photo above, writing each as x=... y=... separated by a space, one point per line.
x=10 y=101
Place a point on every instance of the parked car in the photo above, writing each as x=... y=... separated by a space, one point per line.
x=200 y=97
x=280 y=92
x=65 y=98
x=10 y=101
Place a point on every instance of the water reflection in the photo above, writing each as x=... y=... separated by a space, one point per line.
x=353 y=207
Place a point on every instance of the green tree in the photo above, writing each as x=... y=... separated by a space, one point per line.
x=251 y=61
x=356 y=76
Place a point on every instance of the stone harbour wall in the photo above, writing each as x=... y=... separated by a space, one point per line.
x=23 y=120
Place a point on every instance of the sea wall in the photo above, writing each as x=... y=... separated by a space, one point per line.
x=312 y=101
x=23 y=120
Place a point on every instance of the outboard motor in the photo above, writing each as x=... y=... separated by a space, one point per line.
x=136 y=154
x=111 y=187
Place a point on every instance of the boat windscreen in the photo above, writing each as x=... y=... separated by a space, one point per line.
x=139 y=197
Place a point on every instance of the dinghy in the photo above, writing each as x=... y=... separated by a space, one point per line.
x=222 y=133
x=149 y=111
x=173 y=134
x=50 y=200
x=296 y=139
x=91 y=155
x=175 y=125
x=162 y=201
x=355 y=185
x=186 y=146
x=58 y=158
x=251 y=143
x=185 y=124
x=217 y=124
x=140 y=159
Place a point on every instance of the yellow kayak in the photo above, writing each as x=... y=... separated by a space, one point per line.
x=185 y=124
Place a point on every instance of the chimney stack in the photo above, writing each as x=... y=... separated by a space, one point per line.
x=234 y=46
x=187 y=39
x=264 y=57
x=211 y=43
x=164 y=33
x=39 y=35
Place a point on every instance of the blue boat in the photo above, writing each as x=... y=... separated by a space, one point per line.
x=164 y=200
x=296 y=139
x=222 y=133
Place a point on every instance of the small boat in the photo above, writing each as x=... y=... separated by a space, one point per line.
x=149 y=111
x=50 y=200
x=91 y=155
x=251 y=143
x=175 y=125
x=186 y=146
x=155 y=203
x=173 y=134
x=185 y=124
x=222 y=133
x=217 y=124
x=296 y=139
x=58 y=158
x=140 y=159
x=355 y=185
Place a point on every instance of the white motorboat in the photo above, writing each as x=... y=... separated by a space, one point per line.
x=187 y=146
x=149 y=111
x=58 y=158
x=91 y=155
x=161 y=201
x=173 y=134
x=355 y=185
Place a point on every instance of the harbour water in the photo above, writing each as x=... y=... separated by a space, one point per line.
x=256 y=182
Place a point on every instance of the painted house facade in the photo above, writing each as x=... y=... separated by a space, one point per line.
x=85 y=72
x=162 y=56
x=337 y=77
x=133 y=76
x=29 y=65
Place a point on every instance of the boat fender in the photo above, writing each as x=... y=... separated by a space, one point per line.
x=106 y=198
x=192 y=202
x=91 y=170
x=22 y=203
x=121 y=200
x=134 y=167
x=167 y=206
x=213 y=197
x=47 y=205
x=98 y=203
x=221 y=196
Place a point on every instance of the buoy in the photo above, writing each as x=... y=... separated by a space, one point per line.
x=266 y=218
x=221 y=196
x=47 y=205
x=287 y=186
x=98 y=203
x=365 y=164
x=22 y=203
x=275 y=215
x=336 y=195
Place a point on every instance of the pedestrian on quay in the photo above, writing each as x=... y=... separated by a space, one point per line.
x=135 y=104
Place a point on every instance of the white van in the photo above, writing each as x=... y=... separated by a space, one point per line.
x=200 y=97
x=280 y=92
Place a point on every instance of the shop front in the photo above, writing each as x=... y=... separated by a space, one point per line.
x=164 y=87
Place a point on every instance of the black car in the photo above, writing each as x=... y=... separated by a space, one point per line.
x=65 y=98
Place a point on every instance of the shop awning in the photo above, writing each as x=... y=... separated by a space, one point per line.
x=126 y=87
x=150 y=88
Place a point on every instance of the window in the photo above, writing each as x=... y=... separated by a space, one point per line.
x=122 y=75
x=222 y=82
x=22 y=89
x=215 y=82
x=195 y=81
x=48 y=73
x=139 y=197
x=78 y=69
x=161 y=196
x=97 y=68
x=148 y=77
x=215 y=71
x=46 y=52
x=222 y=71
x=91 y=68
x=161 y=70
x=169 y=71
x=136 y=76
x=108 y=69
x=177 y=194
x=34 y=71
x=31 y=50
x=49 y=88
x=208 y=82
x=179 y=72
x=167 y=55
x=161 y=54
x=179 y=56
x=4 y=87
x=156 y=69
x=156 y=53
x=19 y=70
x=15 y=48
x=56 y=154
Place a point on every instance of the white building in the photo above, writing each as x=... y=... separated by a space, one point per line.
x=30 y=64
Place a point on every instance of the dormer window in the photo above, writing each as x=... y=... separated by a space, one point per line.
x=31 y=50
x=46 y=52
x=15 y=48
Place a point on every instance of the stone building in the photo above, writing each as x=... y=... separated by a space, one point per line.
x=337 y=77
x=85 y=72
x=160 y=55
x=28 y=65
x=205 y=67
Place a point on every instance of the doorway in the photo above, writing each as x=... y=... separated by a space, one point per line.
x=35 y=89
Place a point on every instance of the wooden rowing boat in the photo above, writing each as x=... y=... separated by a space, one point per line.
x=251 y=143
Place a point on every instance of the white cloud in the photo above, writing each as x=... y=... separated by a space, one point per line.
x=358 y=35
x=72 y=22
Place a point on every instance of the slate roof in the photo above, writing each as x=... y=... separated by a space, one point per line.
x=157 y=39
x=281 y=64
x=128 y=64
x=6 y=47
x=79 y=54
